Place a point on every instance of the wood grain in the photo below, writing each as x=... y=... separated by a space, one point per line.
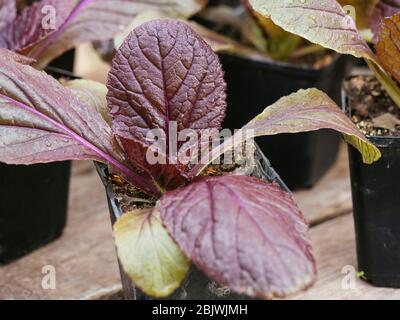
x=334 y=248
x=331 y=197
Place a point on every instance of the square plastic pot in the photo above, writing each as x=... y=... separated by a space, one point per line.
x=376 y=207
x=33 y=203
x=301 y=159
x=196 y=286
x=33 y=207
x=65 y=62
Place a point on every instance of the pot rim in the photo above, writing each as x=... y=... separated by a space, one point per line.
x=379 y=141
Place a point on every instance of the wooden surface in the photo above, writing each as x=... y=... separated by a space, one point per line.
x=331 y=197
x=86 y=266
x=334 y=249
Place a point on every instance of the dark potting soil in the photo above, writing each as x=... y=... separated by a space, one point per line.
x=132 y=198
x=369 y=101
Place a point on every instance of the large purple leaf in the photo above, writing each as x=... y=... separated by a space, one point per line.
x=384 y=9
x=41 y=121
x=242 y=232
x=164 y=73
x=33 y=25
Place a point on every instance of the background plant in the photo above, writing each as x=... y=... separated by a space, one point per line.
x=325 y=23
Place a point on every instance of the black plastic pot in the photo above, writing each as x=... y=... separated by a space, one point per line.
x=33 y=207
x=376 y=207
x=196 y=285
x=301 y=159
x=33 y=203
x=65 y=62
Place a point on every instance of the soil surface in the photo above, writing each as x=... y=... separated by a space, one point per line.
x=132 y=198
x=370 y=104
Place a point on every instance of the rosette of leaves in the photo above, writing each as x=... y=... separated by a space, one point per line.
x=47 y=28
x=243 y=232
x=324 y=22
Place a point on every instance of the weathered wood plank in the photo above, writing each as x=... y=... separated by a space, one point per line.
x=334 y=248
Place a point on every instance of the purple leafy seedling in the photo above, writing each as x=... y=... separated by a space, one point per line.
x=27 y=30
x=243 y=232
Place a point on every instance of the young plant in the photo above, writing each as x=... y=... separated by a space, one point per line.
x=324 y=22
x=48 y=28
x=243 y=232
x=245 y=25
